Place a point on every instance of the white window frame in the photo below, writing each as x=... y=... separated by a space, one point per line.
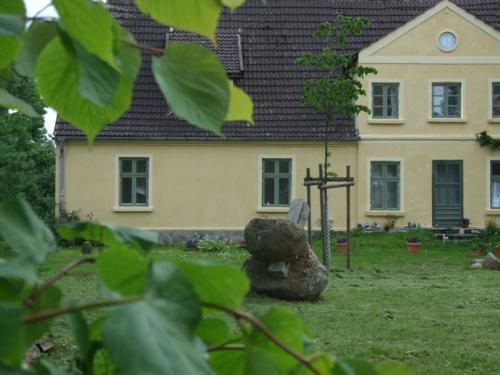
x=463 y=106
x=492 y=119
x=259 y=181
x=149 y=207
x=488 y=183
x=401 y=211
x=395 y=121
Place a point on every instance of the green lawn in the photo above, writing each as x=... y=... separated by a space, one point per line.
x=428 y=310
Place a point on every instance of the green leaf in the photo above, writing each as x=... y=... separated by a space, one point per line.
x=58 y=74
x=80 y=331
x=112 y=235
x=53 y=370
x=50 y=299
x=258 y=362
x=11 y=348
x=38 y=36
x=353 y=367
x=212 y=331
x=11 y=24
x=24 y=231
x=227 y=362
x=4 y=370
x=123 y=271
x=198 y=16
x=219 y=284
x=90 y=24
x=11 y=102
x=323 y=364
x=10 y=44
x=10 y=289
x=286 y=326
x=240 y=106
x=194 y=83
x=393 y=368
x=4 y=76
x=233 y=4
x=20 y=267
x=160 y=328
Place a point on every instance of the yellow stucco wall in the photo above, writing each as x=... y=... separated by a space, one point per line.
x=196 y=185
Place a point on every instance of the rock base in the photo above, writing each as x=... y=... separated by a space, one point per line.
x=491 y=262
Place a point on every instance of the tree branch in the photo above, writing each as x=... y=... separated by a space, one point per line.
x=49 y=282
x=225 y=347
x=85 y=306
x=239 y=314
x=157 y=51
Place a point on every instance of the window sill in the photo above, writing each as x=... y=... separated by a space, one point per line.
x=385 y=213
x=494 y=120
x=448 y=120
x=132 y=209
x=273 y=209
x=493 y=212
x=386 y=121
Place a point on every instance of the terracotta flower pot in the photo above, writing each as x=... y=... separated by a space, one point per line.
x=475 y=253
x=341 y=247
x=413 y=247
x=497 y=253
x=482 y=247
x=464 y=225
x=392 y=226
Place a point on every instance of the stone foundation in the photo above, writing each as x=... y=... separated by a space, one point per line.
x=171 y=237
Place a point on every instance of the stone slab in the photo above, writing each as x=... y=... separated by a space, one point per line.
x=278 y=270
x=299 y=212
x=491 y=262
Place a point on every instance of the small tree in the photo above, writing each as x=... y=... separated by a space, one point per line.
x=338 y=90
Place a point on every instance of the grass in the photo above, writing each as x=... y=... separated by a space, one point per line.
x=428 y=310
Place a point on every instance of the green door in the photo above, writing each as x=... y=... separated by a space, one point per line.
x=447 y=192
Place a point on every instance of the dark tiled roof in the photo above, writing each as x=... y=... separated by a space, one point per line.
x=272 y=37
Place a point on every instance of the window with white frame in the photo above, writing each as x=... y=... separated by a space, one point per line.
x=384 y=185
x=276 y=182
x=134 y=176
x=495 y=184
x=495 y=99
x=446 y=100
x=385 y=100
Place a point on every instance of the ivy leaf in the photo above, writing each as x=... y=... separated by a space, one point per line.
x=24 y=231
x=11 y=24
x=123 y=271
x=194 y=83
x=160 y=328
x=198 y=16
x=10 y=44
x=11 y=102
x=393 y=368
x=353 y=367
x=218 y=284
x=38 y=36
x=112 y=235
x=89 y=24
x=212 y=331
x=240 y=106
x=11 y=348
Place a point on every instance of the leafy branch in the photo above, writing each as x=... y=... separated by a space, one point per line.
x=485 y=139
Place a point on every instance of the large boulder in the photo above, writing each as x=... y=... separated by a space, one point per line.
x=275 y=240
x=491 y=262
x=306 y=279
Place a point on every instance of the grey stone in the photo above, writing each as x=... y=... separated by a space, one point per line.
x=299 y=212
x=475 y=231
x=87 y=247
x=491 y=262
x=275 y=240
x=278 y=270
x=306 y=279
x=169 y=237
x=476 y=265
x=476 y=261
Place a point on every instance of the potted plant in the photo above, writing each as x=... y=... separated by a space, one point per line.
x=341 y=244
x=391 y=219
x=449 y=230
x=412 y=244
x=387 y=226
x=465 y=223
x=243 y=245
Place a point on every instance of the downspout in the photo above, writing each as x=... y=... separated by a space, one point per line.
x=61 y=176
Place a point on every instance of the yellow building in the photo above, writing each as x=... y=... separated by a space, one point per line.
x=416 y=155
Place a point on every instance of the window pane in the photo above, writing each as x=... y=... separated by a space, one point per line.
x=392 y=112
x=268 y=166
x=141 y=191
x=453 y=194
x=438 y=89
x=392 y=101
x=284 y=166
x=378 y=100
x=142 y=166
x=495 y=169
x=438 y=100
x=392 y=90
x=392 y=170
x=441 y=173
x=377 y=170
x=496 y=111
x=438 y=111
x=127 y=166
x=441 y=194
x=378 y=90
x=392 y=195
x=268 y=191
x=453 y=173
x=495 y=194
x=127 y=190
x=496 y=89
x=284 y=193
x=378 y=112
x=453 y=111
x=377 y=195
x=453 y=90
x=453 y=100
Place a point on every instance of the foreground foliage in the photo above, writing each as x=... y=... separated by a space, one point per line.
x=163 y=316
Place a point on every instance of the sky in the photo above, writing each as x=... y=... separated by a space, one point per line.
x=32 y=7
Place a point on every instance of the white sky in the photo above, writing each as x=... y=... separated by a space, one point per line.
x=32 y=7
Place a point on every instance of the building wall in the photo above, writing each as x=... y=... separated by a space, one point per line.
x=203 y=185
